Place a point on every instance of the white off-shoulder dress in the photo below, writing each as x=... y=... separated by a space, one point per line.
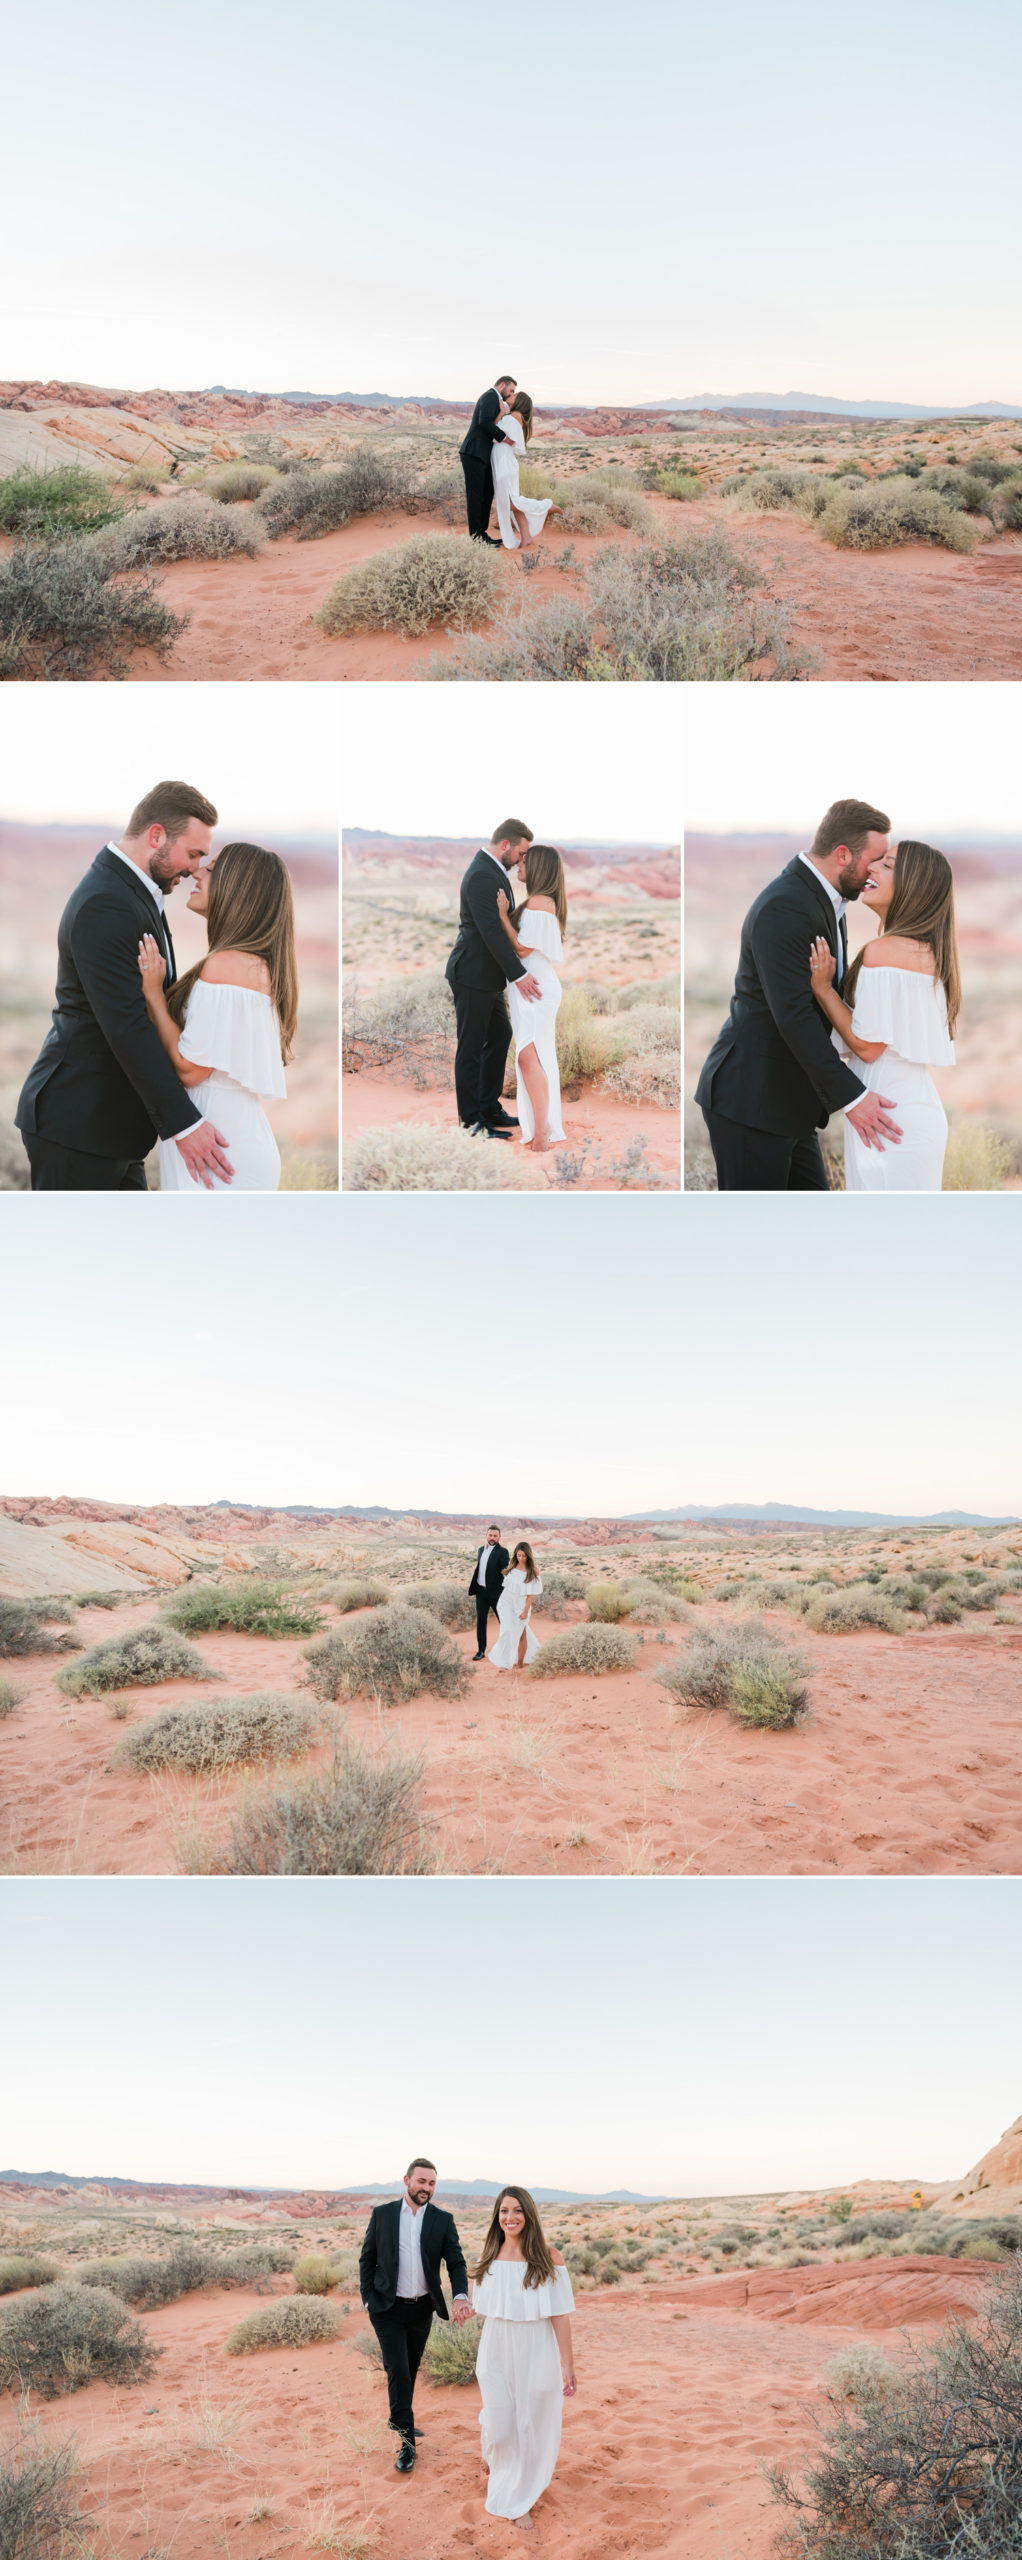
x=540 y=936
x=506 y=458
x=235 y=1032
x=517 y=1589
x=518 y=2369
x=908 y=1011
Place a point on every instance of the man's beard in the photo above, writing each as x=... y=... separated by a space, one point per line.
x=165 y=878
x=851 y=881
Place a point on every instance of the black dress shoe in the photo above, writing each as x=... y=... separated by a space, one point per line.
x=479 y=1657
x=504 y=1120
x=406 y=2457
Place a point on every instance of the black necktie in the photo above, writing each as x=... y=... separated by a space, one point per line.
x=842 y=952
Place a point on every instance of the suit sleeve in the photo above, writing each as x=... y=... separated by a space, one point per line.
x=454 y=2261
x=489 y=422
x=780 y=946
x=481 y=902
x=104 y=946
x=367 y=2259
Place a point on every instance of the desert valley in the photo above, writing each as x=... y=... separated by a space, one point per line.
x=247 y=1692
x=323 y=540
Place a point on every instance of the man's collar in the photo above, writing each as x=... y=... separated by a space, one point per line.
x=837 y=899
x=148 y=884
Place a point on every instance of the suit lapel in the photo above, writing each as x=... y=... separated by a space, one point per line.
x=156 y=918
x=836 y=933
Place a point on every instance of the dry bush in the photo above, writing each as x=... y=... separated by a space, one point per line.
x=309 y=502
x=599 y=500
x=137 y=1660
x=360 y=1819
x=976 y=1158
x=238 y=480
x=448 y=1601
x=677 y=611
x=883 y=513
x=8 y=1698
x=434 y=577
x=146 y=475
x=585 y=1648
x=407 y=1022
x=608 y=1602
x=587 y=1042
x=766 y=491
x=858 y=2371
x=678 y=484
x=104 y=1599
x=394 y=1654
x=450 y=2352
x=17 y=2273
x=220 y=1734
x=192 y=2266
x=859 y=1604
x=406 y=1159
x=64 y=499
x=297 y=2320
x=183 y=528
x=24 y=1628
x=313 y=2275
x=563 y=1582
x=359 y=1592
x=64 y=619
x=248 y=1603
x=756 y=1677
x=38 y=2514
x=68 y=2335
x=443 y=489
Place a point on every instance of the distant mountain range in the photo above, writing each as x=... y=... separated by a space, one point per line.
x=463 y=2188
x=831 y=1519
x=822 y=403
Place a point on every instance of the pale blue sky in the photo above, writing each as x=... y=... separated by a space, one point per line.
x=690 y=2037
x=618 y=207
x=939 y=758
x=842 y=1353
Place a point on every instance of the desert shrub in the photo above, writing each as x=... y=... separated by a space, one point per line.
x=976 y=1159
x=859 y=2371
x=759 y=1679
x=450 y=2353
x=767 y=491
x=860 y=1604
x=563 y=1582
x=8 y=1697
x=68 y=2335
x=1008 y=505
x=146 y=475
x=220 y=1734
x=17 y=2273
x=885 y=512
x=38 y=2514
x=237 y=480
x=136 y=1660
x=394 y=1654
x=24 y=1628
x=963 y=488
x=678 y=484
x=192 y=2266
x=585 y=1648
x=360 y=1818
x=443 y=488
x=63 y=619
x=309 y=502
x=297 y=2320
x=434 y=577
x=945 y=1609
x=101 y=1599
x=183 y=528
x=409 y=1021
x=360 y=1592
x=587 y=1042
x=448 y=1601
x=406 y=1159
x=608 y=1602
x=66 y=499
x=249 y=1604
x=674 y=611
x=556 y=645
x=928 y=2461
x=649 y=1607
x=601 y=499
x=313 y=2275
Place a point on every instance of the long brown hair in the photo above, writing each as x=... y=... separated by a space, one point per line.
x=251 y=908
x=923 y=910
x=522 y=1547
x=521 y=407
x=539 y=2265
x=544 y=878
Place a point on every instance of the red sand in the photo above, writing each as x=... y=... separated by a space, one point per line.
x=682 y=2399
x=374 y=1099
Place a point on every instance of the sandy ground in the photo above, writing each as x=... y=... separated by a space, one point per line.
x=596 y=1127
x=907 y=1765
x=913 y=614
x=684 y=2394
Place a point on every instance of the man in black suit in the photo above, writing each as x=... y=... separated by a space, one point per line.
x=482 y=961
x=491 y=1566
x=773 y=1075
x=477 y=455
x=405 y=2246
x=102 y=1089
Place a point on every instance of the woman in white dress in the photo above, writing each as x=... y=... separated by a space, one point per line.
x=516 y=1643
x=520 y=519
x=903 y=997
x=228 y=1024
x=536 y=932
x=525 y=2367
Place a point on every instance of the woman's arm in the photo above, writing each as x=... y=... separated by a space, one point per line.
x=504 y=912
x=822 y=965
x=561 y=2326
x=154 y=969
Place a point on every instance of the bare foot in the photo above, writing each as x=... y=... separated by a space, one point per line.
x=524 y=2524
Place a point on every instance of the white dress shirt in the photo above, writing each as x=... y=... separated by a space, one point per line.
x=157 y=895
x=411 y=2282
x=840 y=906
x=484 y=1557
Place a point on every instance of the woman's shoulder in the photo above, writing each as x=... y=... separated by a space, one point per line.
x=236 y=969
x=897 y=951
x=557 y=2258
x=541 y=906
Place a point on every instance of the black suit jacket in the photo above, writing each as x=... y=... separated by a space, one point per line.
x=482 y=956
x=773 y=1065
x=485 y=429
x=497 y=1562
x=440 y=2246
x=103 y=1082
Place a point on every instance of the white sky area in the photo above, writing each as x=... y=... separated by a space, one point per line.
x=854 y=1353
x=691 y=2037
x=601 y=762
x=81 y=752
x=726 y=200
x=935 y=756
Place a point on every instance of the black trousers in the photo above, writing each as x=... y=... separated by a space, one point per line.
x=478 y=492
x=483 y=1608
x=402 y=2332
x=484 y=1038
x=55 y=1168
x=756 y=1160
